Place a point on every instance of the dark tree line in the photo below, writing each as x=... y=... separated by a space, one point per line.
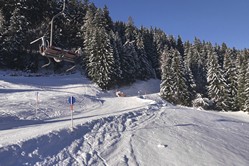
x=119 y=53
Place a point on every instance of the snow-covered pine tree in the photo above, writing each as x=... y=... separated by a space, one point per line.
x=117 y=52
x=129 y=61
x=2 y=31
x=201 y=76
x=221 y=50
x=87 y=33
x=1 y=22
x=195 y=60
x=130 y=31
x=216 y=81
x=7 y=8
x=241 y=72
x=108 y=20
x=187 y=45
x=230 y=75
x=181 y=94
x=174 y=86
x=198 y=44
x=145 y=70
x=151 y=52
x=129 y=58
x=120 y=28
x=171 y=42
x=166 y=86
x=34 y=11
x=101 y=62
x=74 y=14
x=16 y=39
x=189 y=75
x=160 y=40
x=246 y=104
x=179 y=45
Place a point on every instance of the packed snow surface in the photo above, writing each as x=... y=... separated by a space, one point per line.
x=140 y=129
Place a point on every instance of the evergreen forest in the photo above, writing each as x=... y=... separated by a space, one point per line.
x=118 y=53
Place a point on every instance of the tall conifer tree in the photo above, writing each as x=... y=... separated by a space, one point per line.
x=101 y=62
x=241 y=69
x=216 y=81
x=129 y=62
x=246 y=104
x=166 y=86
x=181 y=93
x=230 y=76
x=16 y=39
x=144 y=70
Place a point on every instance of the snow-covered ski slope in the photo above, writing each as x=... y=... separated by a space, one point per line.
x=140 y=129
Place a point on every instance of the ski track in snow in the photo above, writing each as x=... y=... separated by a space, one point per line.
x=132 y=131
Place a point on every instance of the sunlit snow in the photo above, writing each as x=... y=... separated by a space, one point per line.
x=140 y=129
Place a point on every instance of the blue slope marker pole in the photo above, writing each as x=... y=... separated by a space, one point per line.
x=71 y=101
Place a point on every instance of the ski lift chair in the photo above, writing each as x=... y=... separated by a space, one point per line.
x=58 y=54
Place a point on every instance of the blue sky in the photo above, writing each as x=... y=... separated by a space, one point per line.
x=216 y=21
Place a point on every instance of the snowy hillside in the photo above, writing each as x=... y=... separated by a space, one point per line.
x=140 y=129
